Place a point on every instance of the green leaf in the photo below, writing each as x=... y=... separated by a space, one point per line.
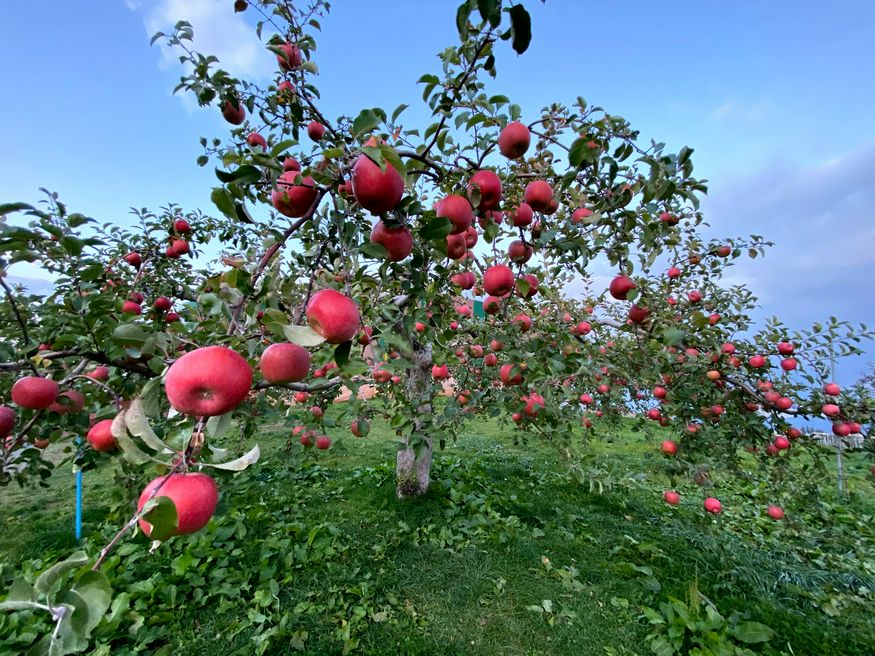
x=47 y=579
x=241 y=463
x=218 y=426
x=224 y=202
x=130 y=451
x=398 y=111
x=366 y=121
x=95 y=591
x=490 y=11
x=303 y=336
x=341 y=353
x=129 y=334
x=374 y=251
x=521 y=27
x=246 y=174
x=161 y=514
x=462 y=15
x=751 y=632
x=138 y=425
x=436 y=229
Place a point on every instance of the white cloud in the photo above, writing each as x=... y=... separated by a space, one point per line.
x=217 y=31
x=743 y=112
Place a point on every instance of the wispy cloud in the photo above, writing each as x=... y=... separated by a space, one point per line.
x=217 y=31
x=737 y=111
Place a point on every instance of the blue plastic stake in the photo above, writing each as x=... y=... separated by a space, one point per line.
x=79 y=505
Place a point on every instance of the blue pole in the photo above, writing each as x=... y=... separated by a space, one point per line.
x=79 y=503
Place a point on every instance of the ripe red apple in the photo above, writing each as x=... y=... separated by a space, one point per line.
x=490 y=360
x=489 y=217
x=498 y=280
x=671 y=497
x=580 y=214
x=69 y=401
x=584 y=328
x=100 y=436
x=673 y=272
x=511 y=374
x=654 y=414
x=668 y=218
x=603 y=388
x=458 y=210
x=397 y=240
x=306 y=439
x=208 y=381
x=519 y=252
x=360 y=427
x=830 y=410
x=134 y=259
x=492 y=305
x=333 y=315
x=757 y=361
x=784 y=403
x=234 y=112
x=532 y=280
x=130 y=307
x=521 y=216
x=620 y=287
x=470 y=237
x=775 y=512
x=7 y=420
x=291 y=164
x=99 y=373
x=456 y=246
x=794 y=433
x=440 y=372
x=284 y=363
x=162 y=304
x=487 y=185
x=34 y=392
x=255 y=140
x=842 y=429
x=785 y=348
x=855 y=427
x=293 y=200
x=788 y=364
x=181 y=226
x=523 y=321
x=781 y=443
x=660 y=392
x=171 y=317
x=832 y=389
x=723 y=251
x=694 y=296
x=290 y=57
x=713 y=505
x=496 y=345
x=538 y=195
x=638 y=314
x=194 y=495
x=514 y=140
x=315 y=130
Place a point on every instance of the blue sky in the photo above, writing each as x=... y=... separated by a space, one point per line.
x=776 y=97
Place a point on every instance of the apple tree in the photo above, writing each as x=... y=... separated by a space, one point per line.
x=350 y=257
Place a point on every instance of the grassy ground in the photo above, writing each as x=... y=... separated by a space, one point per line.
x=507 y=554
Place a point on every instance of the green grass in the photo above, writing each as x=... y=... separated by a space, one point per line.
x=503 y=528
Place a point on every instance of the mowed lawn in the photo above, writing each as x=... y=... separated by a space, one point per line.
x=509 y=553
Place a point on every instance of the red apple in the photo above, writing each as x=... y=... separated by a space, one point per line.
x=785 y=348
x=360 y=427
x=490 y=360
x=333 y=315
x=757 y=361
x=130 y=307
x=620 y=287
x=290 y=56
x=668 y=218
x=775 y=512
x=181 y=226
x=134 y=259
x=521 y=216
x=538 y=195
x=514 y=140
x=255 y=140
x=523 y=321
x=638 y=314
x=293 y=200
x=487 y=185
x=519 y=252
x=69 y=401
x=234 y=112
x=788 y=364
x=291 y=164
x=532 y=280
x=781 y=443
x=492 y=305
x=100 y=436
x=580 y=214
x=832 y=389
x=162 y=304
x=713 y=505
x=284 y=363
x=208 y=381
x=99 y=373
x=511 y=374
x=440 y=372
x=397 y=240
x=498 y=280
x=34 y=392
x=830 y=410
x=671 y=497
x=7 y=420
x=694 y=296
x=194 y=496
x=458 y=210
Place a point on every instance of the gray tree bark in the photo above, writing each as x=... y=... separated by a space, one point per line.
x=412 y=474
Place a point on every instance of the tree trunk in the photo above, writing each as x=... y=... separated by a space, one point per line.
x=412 y=473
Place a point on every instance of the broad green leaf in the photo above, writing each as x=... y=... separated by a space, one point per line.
x=220 y=425
x=130 y=451
x=436 y=229
x=341 y=353
x=366 y=121
x=47 y=579
x=138 y=425
x=303 y=336
x=246 y=174
x=752 y=632
x=241 y=463
x=521 y=27
x=161 y=514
